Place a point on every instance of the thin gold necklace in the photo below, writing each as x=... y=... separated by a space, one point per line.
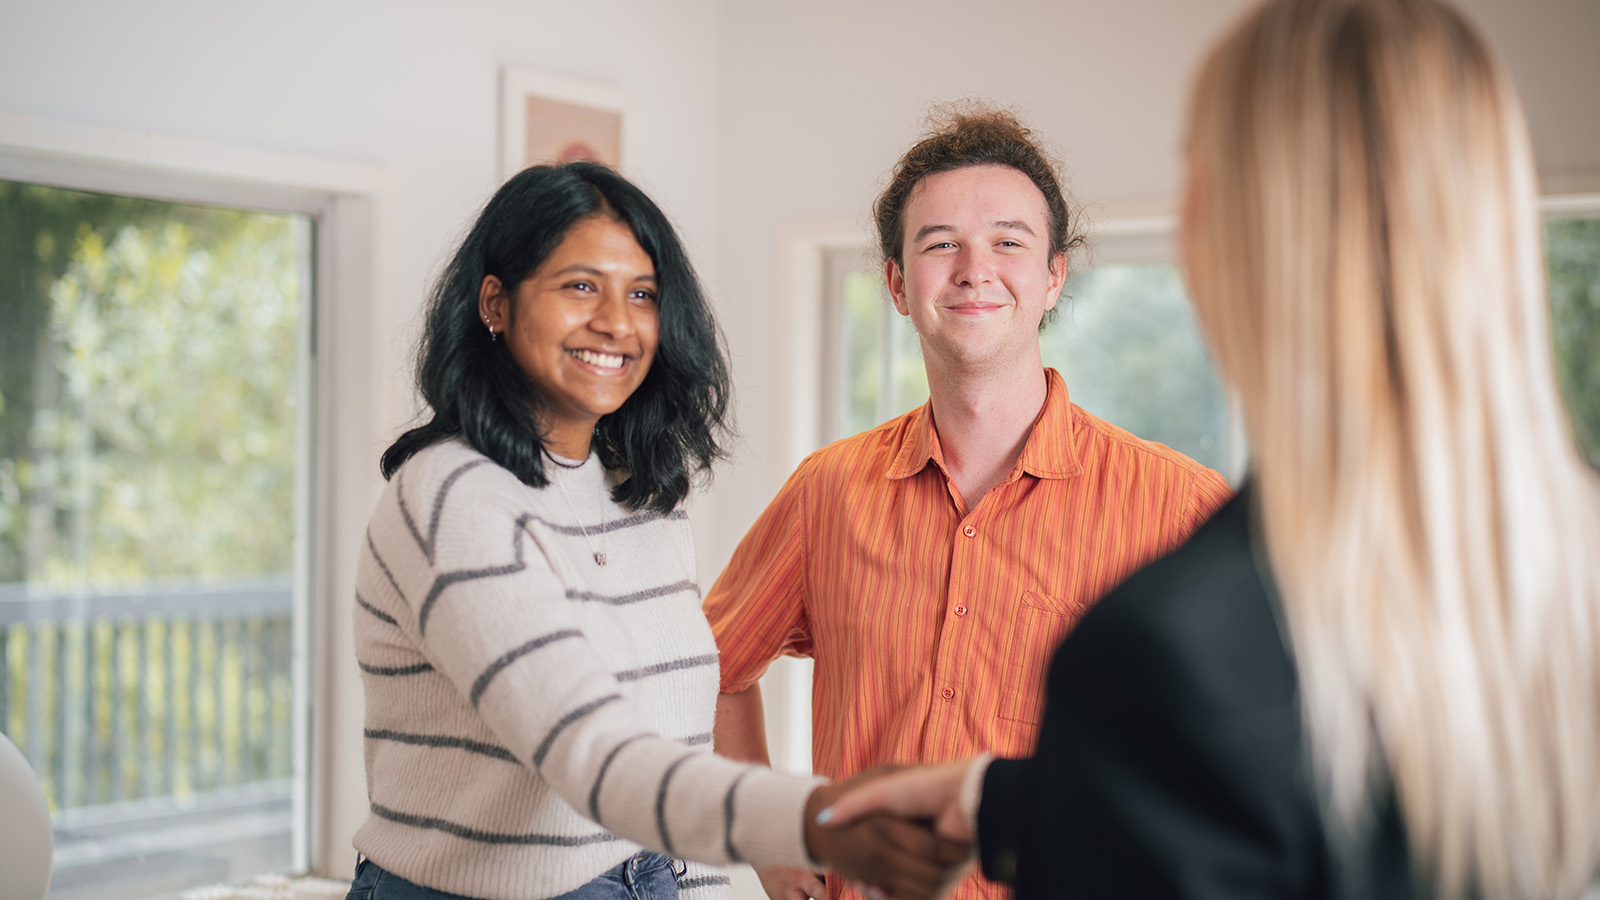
x=599 y=555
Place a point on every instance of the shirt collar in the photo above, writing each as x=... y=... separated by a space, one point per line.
x=1048 y=453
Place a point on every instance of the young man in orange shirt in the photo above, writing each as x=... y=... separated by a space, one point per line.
x=932 y=564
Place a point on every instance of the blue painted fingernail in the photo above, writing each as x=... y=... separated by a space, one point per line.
x=825 y=816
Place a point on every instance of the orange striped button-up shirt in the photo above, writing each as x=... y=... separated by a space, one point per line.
x=932 y=624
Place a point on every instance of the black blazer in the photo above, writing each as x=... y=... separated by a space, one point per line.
x=1171 y=762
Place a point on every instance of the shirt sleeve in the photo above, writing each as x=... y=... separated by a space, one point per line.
x=491 y=614
x=1208 y=492
x=757 y=607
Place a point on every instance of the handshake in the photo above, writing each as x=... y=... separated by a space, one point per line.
x=900 y=832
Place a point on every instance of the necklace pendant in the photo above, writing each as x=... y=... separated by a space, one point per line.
x=599 y=559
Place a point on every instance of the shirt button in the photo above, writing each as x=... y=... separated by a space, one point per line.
x=969 y=531
x=948 y=693
x=961 y=609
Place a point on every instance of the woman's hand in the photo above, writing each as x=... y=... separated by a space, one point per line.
x=923 y=793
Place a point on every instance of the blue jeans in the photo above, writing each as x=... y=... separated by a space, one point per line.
x=644 y=876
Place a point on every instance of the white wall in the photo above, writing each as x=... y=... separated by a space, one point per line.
x=407 y=85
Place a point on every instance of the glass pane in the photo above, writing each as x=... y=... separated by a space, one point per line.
x=149 y=360
x=1130 y=351
x=870 y=323
x=1573 y=257
x=910 y=377
x=863 y=362
x=1127 y=345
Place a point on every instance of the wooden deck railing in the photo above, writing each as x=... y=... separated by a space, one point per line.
x=159 y=693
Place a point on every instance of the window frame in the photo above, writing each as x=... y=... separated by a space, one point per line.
x=349 y=394
x=1574 y=204
x=807 y=256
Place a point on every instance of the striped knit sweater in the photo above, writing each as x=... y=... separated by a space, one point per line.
x=517 y=693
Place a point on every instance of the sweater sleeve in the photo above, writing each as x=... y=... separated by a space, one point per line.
x=490 y=612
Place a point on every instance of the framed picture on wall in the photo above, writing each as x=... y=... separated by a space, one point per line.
x=549 y=118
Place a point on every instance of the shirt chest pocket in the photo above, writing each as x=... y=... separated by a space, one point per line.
x=1039 y=624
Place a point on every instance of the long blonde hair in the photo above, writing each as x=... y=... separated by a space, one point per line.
x=1369 y=269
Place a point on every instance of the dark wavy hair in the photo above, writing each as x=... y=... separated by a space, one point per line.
x=969 y=133
x=668 y=432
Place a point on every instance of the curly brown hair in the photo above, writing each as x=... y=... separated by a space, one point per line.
x=970 y=133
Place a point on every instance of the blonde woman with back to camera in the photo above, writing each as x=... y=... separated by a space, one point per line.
x=1376 y=673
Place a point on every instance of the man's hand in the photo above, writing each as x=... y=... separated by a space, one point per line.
x=924 y=793
x=902 y=858
x=787 y=883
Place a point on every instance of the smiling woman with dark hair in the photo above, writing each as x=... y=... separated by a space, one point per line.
x=540 y=680
x=666 y=433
